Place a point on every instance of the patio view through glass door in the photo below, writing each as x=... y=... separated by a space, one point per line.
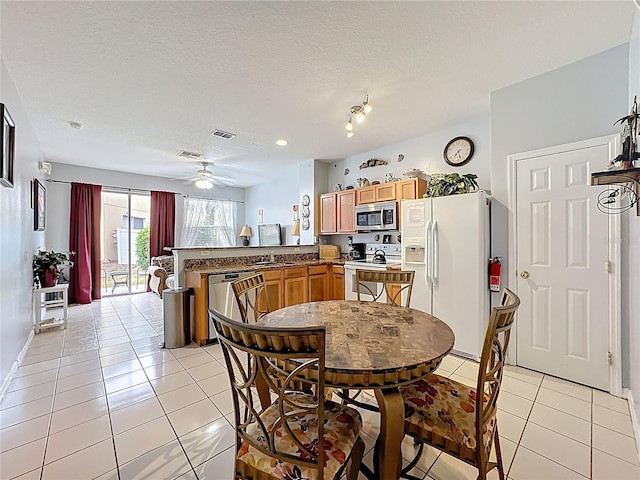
x=125 y=242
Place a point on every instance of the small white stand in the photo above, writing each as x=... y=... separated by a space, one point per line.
x=48 y=311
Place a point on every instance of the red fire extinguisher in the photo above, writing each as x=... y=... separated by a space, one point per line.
x=494 y=274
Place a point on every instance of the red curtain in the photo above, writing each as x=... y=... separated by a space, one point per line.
x=84 y=240
x=163 y=222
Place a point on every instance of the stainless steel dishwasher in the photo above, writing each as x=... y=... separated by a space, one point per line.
x=221 y=296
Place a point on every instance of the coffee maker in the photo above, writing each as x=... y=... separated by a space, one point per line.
x=357 y=251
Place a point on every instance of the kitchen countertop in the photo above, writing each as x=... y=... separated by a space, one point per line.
x=269 y=266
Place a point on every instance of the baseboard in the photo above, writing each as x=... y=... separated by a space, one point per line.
x=14 y=367
x=626 y=393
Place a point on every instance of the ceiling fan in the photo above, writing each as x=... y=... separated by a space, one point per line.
x=205 y=178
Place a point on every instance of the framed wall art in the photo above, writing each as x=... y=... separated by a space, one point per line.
x=8 y=135
x=39 y=205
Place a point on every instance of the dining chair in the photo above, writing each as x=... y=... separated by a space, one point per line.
x=251 y=296
x=287 y=434
x=394 y=283
x=444 y=413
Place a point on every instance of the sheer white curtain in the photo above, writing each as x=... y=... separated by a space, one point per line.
x=209 y=223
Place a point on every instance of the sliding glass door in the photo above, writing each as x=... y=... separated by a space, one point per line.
x=125 y=242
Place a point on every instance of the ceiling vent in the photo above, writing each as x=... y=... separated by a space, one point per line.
x=187 y=154
x=222 y=134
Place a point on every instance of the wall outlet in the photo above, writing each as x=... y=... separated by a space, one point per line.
x=205 y=253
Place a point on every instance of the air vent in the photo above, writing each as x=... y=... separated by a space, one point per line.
x=222 y=134
x=187 y=154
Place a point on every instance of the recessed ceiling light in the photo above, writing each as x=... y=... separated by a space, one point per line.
x=75 y=125
x=281 y=141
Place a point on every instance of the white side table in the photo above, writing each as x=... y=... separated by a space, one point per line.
x=51 y=310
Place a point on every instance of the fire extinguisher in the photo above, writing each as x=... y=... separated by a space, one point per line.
x=494 y=274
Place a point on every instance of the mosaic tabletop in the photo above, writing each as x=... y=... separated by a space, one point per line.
x=370 y=337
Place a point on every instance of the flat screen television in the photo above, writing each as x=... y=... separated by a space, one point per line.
x=269 y=234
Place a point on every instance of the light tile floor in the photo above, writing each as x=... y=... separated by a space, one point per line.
x=101 y=400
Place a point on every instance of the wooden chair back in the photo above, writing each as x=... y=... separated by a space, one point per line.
x=266 y=350
x=395 y=284
x=251 y=296
x=491 y=368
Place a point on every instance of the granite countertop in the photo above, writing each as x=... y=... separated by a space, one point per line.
x=239 y=267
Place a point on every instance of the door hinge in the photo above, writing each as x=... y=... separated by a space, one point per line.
x=609 y=358
x=607 y=266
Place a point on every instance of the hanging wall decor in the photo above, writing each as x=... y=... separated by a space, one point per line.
x=8 y=134
x=39 y=205
x=373 y=162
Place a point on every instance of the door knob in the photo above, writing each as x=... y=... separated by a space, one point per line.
x=524 y=274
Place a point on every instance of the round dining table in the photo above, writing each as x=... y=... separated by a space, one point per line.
x=372 y=345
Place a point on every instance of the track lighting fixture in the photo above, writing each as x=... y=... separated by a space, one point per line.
x=358 y=113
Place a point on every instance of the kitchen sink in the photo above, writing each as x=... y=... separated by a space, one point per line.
x=265 y=263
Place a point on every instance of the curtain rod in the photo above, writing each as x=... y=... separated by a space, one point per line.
x=50 y=180
x=126 y=189
x=221 y=199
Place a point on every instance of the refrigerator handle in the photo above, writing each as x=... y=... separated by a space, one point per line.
x=428 y=264
x=436 y=254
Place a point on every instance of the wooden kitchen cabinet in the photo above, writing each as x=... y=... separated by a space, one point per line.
x=318 y=283
x=337 y=212
x=274 y=286
x=295 y=286
x=346 y=213
x=337 y=283
x=328 y=216
x=410 y=189
x=384 y=192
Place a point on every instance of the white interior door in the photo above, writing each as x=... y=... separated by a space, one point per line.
x=563 y=268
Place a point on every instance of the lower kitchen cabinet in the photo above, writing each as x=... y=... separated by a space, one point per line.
x=337 y=282
x=295 y=286
x=275 y=292
x=318 y=284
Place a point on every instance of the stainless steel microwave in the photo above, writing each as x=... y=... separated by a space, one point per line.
x=377 y=216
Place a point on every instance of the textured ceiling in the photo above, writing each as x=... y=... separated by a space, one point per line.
x=148 y=79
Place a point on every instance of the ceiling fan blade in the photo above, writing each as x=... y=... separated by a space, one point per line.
x=222 y=178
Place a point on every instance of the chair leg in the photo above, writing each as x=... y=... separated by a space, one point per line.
x=498 y=453
x=356 y=460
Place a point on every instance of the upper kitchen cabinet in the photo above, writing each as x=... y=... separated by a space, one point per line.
x=328 y=217
x=337 y=212
x=384 y=192
x=410 y=189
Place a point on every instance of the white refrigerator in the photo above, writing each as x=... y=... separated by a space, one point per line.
x=446 y=241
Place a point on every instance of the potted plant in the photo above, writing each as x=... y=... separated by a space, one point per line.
x=443 y=184
x=47 y=266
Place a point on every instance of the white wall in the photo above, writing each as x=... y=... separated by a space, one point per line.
x=633 y=304
x=276 y=199
x=424 y=152
x=59 y=196
x=575 y=102
x=18 y=241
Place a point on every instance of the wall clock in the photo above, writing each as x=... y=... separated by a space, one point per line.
x=458 y=151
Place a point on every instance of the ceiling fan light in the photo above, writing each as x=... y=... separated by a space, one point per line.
x=203 y=183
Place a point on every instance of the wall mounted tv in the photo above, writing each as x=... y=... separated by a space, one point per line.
x=269 y=234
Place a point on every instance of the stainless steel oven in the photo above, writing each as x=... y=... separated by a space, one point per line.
x=377 y=216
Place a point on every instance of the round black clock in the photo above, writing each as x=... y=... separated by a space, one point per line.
x=458 y=151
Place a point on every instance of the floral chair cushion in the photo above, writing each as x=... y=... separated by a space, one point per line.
x=342 y=426
x=445 y=408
